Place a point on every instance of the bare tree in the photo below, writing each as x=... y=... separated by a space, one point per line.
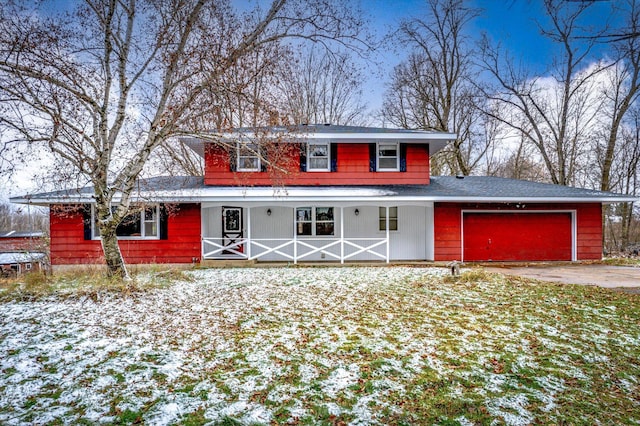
x=321 y=87
x=554 y=114
x=622 y=91
x=103 y=86
x=433 y=90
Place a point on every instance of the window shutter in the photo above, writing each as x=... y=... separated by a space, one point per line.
x=164 y=222
x=86 y=221
x=303 y=157
x=372 y=157
x=233 y=160
x=403 y=157
x=334 y=156
x=263 y=159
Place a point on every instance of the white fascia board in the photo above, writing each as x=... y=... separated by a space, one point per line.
x=261 y=195
x=605 y=200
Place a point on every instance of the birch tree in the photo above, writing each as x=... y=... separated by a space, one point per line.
x=103 y=86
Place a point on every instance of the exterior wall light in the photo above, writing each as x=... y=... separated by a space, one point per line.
x=268 y=212
x=356 y=212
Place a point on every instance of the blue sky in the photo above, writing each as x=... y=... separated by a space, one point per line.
x=512 y=23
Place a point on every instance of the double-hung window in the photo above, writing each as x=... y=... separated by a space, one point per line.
x=315 y=221
x=393 y=218
x=388 y=156
x=248 y=157
x=143 y=222
x=318 y=156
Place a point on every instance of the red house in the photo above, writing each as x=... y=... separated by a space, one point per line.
x=333 y=193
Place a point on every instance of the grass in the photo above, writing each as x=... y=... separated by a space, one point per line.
x=323 y=346
x=88 y=282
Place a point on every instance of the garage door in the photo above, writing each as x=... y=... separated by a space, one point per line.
x=517 y=236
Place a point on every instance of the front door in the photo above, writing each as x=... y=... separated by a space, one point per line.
x=232 y=230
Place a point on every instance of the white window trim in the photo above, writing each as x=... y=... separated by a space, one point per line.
x=314 y=221
x=309 y=157
x=387 y=169
x=255 y=155
x=142 y=236
x=397 y=220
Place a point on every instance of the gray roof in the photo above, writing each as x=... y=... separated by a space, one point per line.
x=329 y=128
x=11 y=258
x=441 y=189
x=20 y=234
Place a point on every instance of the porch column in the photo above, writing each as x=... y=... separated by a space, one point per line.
x=248 y=233
x=295 y=237
x=386 y=218
x=341 y=234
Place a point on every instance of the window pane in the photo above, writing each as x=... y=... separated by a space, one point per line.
x=303 y=214
x=318 y=150
x=130 y=226
x=150 y=213
x=248 y=163
x=388 y=151
x=324 y=228
x=319 y=163
x=324 y=213
x=388 y=163
x=303 y=228
x=150 y=229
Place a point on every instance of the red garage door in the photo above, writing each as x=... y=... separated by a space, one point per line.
x=517 y=236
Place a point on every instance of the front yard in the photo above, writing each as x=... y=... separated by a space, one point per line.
x=379 y=345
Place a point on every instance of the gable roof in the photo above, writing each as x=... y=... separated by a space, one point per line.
x=325 y=132
x=476 y=189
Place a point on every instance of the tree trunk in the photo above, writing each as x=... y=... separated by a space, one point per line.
x=112 y=255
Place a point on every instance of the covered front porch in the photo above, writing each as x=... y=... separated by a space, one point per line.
x=315 y=232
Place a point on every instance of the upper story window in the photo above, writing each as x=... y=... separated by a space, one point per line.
x=248 y=157
x=388 y=157
x=314 y=221
x=318 y=157
x=142 y=223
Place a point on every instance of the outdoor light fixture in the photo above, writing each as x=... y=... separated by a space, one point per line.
x=268 y=212
x=356 y=212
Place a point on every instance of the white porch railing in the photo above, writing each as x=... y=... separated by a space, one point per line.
x=286 y=249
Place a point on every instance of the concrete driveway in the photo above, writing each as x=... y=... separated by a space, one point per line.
x=607 y=276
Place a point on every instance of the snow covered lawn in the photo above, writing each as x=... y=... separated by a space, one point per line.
x=379 y=345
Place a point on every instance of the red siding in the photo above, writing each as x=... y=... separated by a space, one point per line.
x=352 y=168
x=182 y=245
x=448 y=227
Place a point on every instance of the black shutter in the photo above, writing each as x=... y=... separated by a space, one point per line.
x=403 y=157
x=303 y=157
x=333 y=149
x=86 y=221
x=372 y=157
x=263 y=159
x=164 y=222
x=233 y=160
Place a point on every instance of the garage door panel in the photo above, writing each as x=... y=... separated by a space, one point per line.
x=517 y=236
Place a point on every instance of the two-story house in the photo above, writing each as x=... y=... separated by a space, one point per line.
x=333 y=193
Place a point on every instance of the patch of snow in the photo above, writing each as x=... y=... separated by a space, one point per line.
x=511 y=409
x=340 y=379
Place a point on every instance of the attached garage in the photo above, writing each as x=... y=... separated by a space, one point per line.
x=518 y=236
